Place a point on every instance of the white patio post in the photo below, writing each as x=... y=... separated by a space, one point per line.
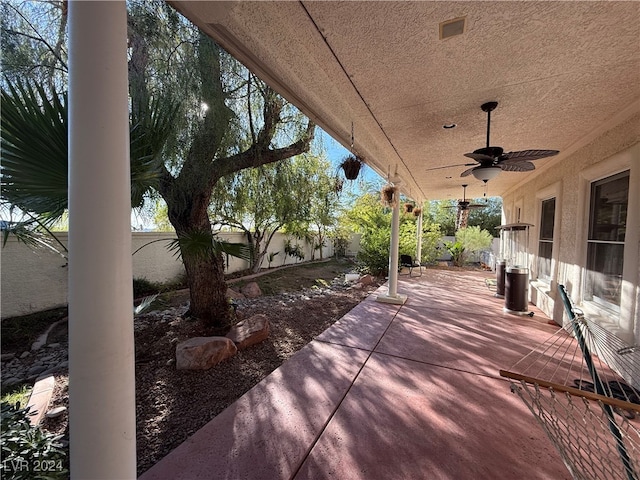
x=101 y=347
x=392 y=295
x=419 y=239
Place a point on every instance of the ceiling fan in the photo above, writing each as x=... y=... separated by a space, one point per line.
x=493 y=158
x=464 y=204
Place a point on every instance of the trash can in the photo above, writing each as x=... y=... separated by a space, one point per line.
x=516 y=289
x=500 y=268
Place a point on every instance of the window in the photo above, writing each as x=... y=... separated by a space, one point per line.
x=545 y=242
x=605 y=245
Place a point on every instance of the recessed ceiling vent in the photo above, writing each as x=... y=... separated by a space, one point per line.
x=451 y=28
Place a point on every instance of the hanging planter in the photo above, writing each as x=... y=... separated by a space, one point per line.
x=408 y=207
x=351 y=166
x=388 y=195
x=417 y=211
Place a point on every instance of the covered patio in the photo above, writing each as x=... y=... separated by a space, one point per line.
x=565 y=79
x=388 y=392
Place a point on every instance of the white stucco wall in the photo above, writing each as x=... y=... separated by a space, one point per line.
x=34 y=280
x=569 y=180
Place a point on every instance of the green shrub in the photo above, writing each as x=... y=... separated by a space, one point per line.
x=373 y=256
x=456 y=249
x=408 y=244
x=473 y=239
x=27 y=451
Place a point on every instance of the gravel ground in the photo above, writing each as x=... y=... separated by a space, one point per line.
x=172 y=404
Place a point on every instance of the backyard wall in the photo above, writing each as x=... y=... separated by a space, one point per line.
x=34 y=280
x=569 y=180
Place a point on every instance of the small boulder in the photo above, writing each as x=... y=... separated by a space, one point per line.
x=202 y=353
x=251 y=290
x=250 y=331
x=233 y=294
x=366 y=280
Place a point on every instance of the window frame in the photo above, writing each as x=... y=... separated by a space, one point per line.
x=546 y=277
x=592 y=244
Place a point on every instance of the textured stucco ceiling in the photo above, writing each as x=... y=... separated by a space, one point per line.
x=561 y=72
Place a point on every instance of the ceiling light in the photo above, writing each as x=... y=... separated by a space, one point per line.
x=447 y=126
x=486 y=173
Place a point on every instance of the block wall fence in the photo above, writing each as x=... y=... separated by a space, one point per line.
x=32 y=280
x=35 y=280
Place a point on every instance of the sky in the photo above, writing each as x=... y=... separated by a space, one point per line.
x=336 y=153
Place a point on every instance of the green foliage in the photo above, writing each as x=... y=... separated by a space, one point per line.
x=203 y=244
x=373 y=256
x=35 y=148
x=341 y=238
x=456 y=249
x=431 y=236
x=369 y=217
x=26 y=448
x=442 y=213
x=474 y=239
x=17 y=395
x=489 y=217
x=294 y=251
x=295 y=195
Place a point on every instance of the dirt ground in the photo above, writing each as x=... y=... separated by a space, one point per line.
x=300 y=302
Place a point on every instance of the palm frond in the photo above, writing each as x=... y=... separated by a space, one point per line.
x=203 y=244
x=34 y=149
x=152 y=123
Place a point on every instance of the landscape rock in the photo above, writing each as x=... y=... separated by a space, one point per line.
x=5 y=357
x=55 y=412
x=366 y=280
x=250 y=331
x=251 y=290
x=202 y=353
x=233 y=294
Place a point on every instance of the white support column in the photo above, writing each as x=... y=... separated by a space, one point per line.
x=101 y=346
x=392 y=295
x=419 y=239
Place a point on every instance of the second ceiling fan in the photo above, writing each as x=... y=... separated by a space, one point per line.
x=465 y=204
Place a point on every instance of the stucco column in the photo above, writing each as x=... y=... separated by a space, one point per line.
x=392 y=295
x=101 y=346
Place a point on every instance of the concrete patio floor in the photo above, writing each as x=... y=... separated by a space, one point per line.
x=388 y=392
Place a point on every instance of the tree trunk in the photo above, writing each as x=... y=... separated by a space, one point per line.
x=258 y=252
x=204 y=266
x=207 y=289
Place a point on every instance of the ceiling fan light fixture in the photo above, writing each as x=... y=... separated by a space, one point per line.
x=485 y=174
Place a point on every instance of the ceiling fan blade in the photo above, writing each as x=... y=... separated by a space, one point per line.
x=450 y=166
x=517 y=166
x=479 y=157
x=527 y=155
x=476 y=205
x=467 y=172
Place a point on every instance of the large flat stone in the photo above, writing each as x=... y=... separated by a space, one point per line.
x=202 y=353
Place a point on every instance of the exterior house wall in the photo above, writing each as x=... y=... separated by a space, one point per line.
x=569 y=181
x=34 y=280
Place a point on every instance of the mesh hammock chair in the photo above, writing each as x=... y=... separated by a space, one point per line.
x=583 y=387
